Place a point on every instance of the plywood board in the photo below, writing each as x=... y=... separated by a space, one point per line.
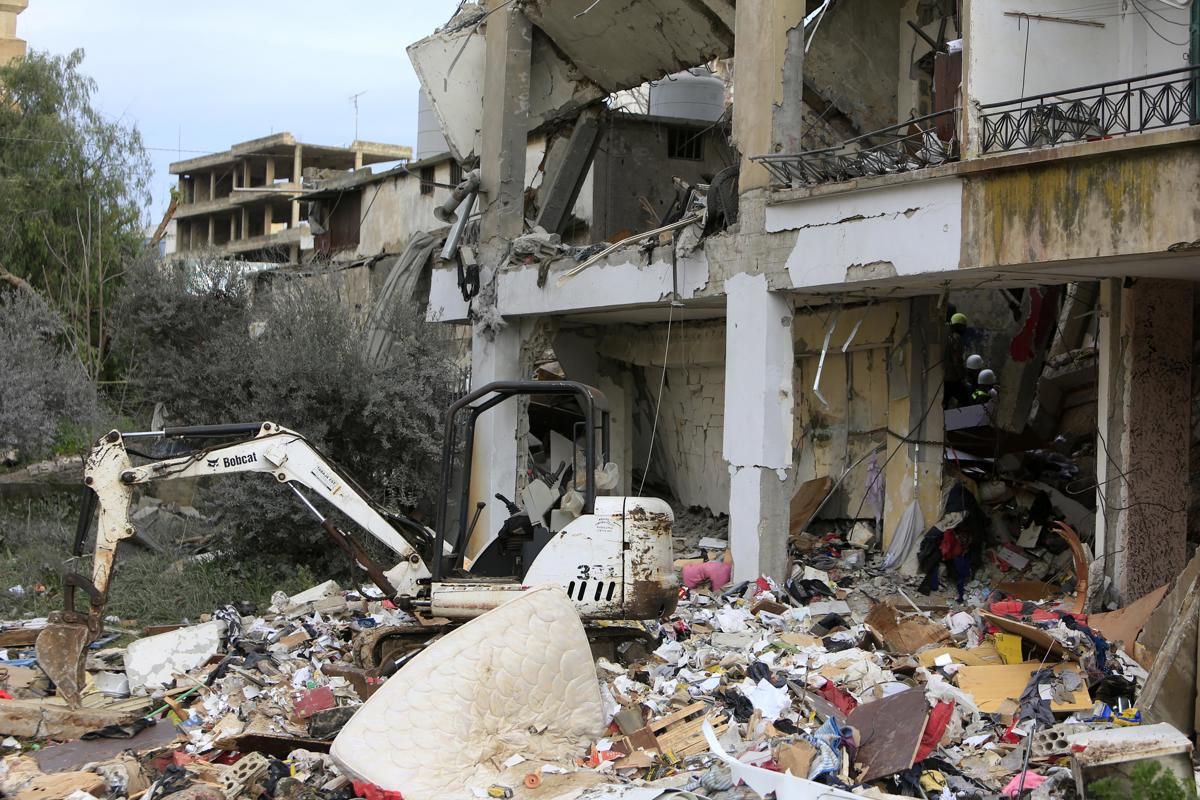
x=805 y=502
x=1028 y=632
x=976 y=657
x=889 y=733
x=990 y=686
x=73 y=755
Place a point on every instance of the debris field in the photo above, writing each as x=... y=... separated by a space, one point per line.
x=847 y=680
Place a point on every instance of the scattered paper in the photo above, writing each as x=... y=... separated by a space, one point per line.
x=765 y=781
x=767 y=699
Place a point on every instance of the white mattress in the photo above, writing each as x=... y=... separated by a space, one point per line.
x=519 y=679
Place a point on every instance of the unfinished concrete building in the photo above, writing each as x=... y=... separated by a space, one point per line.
x=788 y=335
x=245 y=201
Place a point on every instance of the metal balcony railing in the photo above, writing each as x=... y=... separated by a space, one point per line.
x=1102 y=110
x=918 y=143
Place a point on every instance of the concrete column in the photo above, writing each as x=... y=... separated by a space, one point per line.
x=495 y=455
x=769 y=83
x=246 y=172
x=358 y=159
x=233 y=227
x=212 y=229
x=297 y=169
x=1145 y=453
x=1110 y=414
x=270 y=166
x=212 y=186
x=267 y=218
x=505 y=120
x=759 y=411
x=245 y=223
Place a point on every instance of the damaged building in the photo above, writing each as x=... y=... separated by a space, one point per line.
x=787 y=331
x=774 y=312
x=245 y=202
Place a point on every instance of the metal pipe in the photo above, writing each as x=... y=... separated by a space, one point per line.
x=450 y=248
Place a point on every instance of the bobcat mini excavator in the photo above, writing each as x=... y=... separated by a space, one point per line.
x=613 y=559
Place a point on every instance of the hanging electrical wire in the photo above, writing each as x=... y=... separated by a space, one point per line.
x=662 y=381
x=1139 y=8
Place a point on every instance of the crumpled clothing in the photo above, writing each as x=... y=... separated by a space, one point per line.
x=1032 y=781
x=1033 y=706
x=716 y=573
x=951 y=546
x=842 y=700
x=935 y=728
x=828 y=742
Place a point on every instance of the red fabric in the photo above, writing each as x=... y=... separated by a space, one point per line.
x=5 y=695
x=935 y=728
x=1049 y=616
x=843 y=701
x=1006 y=608
x=1043 y=314
x=372 y=792
x=951 y=546
x=763 y=584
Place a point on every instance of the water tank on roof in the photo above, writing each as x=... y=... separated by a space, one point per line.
x=692 y=94
x=430 y=141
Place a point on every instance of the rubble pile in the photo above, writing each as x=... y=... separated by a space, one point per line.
x=844 y=681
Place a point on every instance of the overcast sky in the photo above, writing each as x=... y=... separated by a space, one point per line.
x=198 y=77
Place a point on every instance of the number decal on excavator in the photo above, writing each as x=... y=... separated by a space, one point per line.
x=585 y=571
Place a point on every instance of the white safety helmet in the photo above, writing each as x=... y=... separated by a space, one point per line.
x=974 y=361
x=987 y=378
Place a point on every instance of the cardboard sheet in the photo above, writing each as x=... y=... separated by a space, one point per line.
x=995 y=683
x=1124 y=624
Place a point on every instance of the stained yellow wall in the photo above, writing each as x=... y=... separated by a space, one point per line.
x=1124 y=204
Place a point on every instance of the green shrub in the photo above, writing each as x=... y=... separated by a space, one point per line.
x=47 y=403
x=187 y=340
x=1146 y=781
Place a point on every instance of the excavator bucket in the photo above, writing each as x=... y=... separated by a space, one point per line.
x=61 y=648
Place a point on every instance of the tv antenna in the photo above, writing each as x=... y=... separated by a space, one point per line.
x=354 y=100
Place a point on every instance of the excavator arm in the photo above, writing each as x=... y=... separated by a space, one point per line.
x=284 y=454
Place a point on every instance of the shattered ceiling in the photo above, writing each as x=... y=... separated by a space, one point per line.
x=619 y=44
x=582 y=51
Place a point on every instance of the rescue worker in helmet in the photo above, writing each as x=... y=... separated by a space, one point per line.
x=957 y=390
x=985 y=387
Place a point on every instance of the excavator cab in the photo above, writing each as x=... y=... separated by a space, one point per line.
x=611 y=554
x=526 y=531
